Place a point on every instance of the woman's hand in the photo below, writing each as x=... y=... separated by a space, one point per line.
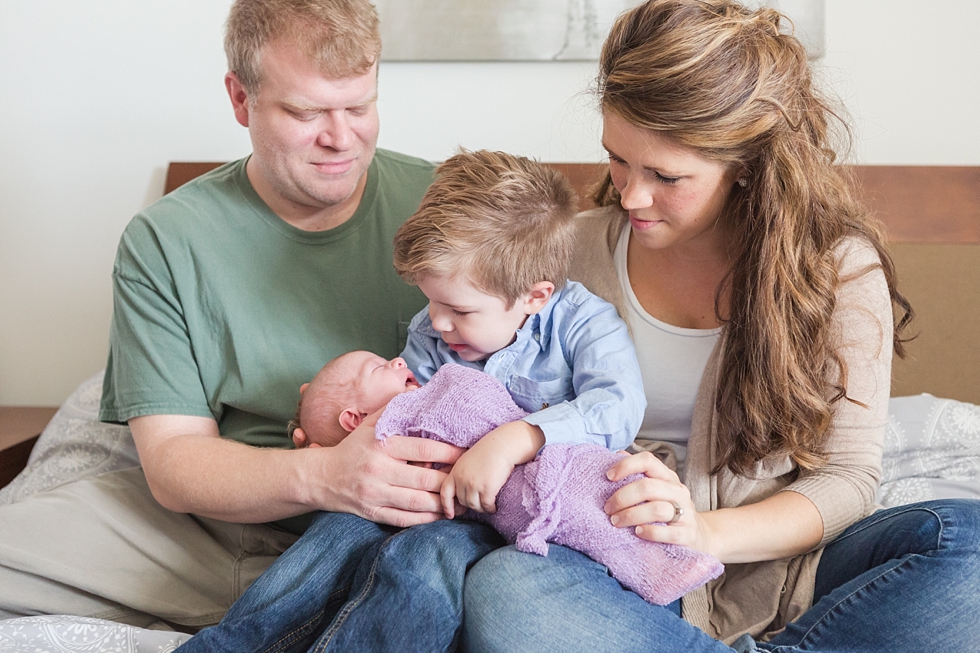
x=658 y=507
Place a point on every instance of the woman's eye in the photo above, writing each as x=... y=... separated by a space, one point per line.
x=666 y=180
x=459 y=313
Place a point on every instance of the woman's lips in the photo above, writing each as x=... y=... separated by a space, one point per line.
x=641 y=224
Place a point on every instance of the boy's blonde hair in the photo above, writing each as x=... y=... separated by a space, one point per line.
x=504 y=222
x=342 y=37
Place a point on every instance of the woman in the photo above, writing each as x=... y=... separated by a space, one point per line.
x=760 y=298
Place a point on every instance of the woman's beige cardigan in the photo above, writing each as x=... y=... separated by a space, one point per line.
x=761 y=598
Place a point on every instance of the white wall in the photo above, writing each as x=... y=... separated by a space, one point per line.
x=96 y=97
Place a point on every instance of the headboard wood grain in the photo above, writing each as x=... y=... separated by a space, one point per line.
x=932 y=217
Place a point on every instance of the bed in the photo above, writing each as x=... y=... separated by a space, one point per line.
x=932 y=443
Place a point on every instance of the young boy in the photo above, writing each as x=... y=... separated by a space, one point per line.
x=490 y=246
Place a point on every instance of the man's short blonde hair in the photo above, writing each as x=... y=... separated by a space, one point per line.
x=341 y=36
x=503 y=222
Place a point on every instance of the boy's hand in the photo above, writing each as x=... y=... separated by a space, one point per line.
x=475 y=480
x=478 y=475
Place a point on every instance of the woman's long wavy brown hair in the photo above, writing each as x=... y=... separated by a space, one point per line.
x=734 y=86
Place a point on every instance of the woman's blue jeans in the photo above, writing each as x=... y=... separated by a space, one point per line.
x=352 y=585
x=904 y=579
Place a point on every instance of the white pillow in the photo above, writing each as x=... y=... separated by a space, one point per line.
x=932 y=450
x=75 y=444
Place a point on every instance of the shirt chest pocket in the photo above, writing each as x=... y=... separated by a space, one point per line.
x=533 y=395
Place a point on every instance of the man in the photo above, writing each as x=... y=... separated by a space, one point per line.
x=229 y=293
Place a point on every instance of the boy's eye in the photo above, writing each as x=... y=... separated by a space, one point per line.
x=460 y=313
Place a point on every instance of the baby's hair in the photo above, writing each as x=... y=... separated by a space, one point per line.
x=318 y=411
x=502 y=222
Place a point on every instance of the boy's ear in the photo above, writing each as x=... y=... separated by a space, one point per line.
x=350 y=419
x=538 y=296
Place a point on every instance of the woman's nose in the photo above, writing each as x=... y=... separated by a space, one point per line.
x=635 y=196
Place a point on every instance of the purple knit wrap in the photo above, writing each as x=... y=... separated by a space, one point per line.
x=558 y=497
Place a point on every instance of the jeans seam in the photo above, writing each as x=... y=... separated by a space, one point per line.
x=344 y=613
x=302 y=630
x=291 y=637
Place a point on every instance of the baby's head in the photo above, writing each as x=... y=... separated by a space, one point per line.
x=489 y=244
x=345 y=391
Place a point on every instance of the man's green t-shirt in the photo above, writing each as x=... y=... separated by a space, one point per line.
x=222 y=309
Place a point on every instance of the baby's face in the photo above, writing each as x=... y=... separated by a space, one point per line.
x=377 y=381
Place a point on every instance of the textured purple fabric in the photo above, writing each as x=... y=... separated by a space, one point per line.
x=458 y=405
x=558 y=497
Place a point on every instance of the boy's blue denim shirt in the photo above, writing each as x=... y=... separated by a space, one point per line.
x=572 y=366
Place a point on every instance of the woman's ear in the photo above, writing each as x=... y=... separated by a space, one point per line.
x=537 y=298
x=350 y=419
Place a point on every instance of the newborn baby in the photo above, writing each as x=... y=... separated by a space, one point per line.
x=558 y=497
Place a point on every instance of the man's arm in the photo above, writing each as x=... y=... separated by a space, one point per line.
x=191 y=468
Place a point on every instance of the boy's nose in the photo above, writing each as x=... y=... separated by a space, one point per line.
x=397 y=363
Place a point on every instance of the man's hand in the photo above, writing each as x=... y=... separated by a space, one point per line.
x=478 y=475
x=373 y=479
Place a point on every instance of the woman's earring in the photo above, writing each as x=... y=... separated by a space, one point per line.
x=743 y=182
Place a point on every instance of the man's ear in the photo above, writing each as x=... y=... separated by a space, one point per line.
x=538 y=297
x=239 y=98
x=302 y=388
x=350 y=419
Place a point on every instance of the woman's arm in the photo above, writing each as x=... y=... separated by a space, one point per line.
x=781 y=526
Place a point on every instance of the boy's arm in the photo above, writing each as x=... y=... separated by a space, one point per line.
x=609 y=398
x=481 y=471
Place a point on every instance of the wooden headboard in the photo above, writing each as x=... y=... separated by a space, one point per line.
x=932 y=215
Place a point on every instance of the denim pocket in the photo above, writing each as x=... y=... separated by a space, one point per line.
x=532 y=395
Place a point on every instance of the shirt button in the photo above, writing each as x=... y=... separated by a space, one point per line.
x=537 y=336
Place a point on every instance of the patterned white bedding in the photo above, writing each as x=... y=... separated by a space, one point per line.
x=60 y=634
x=932 y=451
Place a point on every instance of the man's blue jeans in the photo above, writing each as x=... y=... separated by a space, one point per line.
x=904 y=579
x=352 y=585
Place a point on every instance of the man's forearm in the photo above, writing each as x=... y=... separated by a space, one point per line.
x=191 y=469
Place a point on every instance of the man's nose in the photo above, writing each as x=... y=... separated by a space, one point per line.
x=336 y=133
